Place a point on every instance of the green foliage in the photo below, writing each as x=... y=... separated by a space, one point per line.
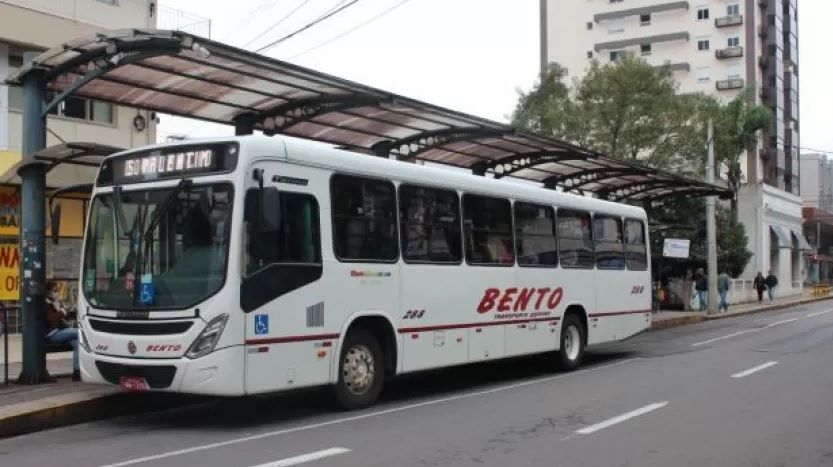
x=626 y=109
x=736 y=130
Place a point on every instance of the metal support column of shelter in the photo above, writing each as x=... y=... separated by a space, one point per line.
x=33 y=220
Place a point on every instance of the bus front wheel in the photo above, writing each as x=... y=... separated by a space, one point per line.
x=361 y=371
x=573 y=339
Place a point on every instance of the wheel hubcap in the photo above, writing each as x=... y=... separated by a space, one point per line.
x=572 y=342
x=358 y=369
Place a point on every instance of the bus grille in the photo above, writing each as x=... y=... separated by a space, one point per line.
x=141 y=328
x=157 y=376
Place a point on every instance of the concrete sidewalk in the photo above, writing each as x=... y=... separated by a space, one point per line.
x=669 y=319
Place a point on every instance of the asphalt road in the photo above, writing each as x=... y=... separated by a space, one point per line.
x=747 y=391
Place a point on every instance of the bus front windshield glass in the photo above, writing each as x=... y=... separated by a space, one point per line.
x=157 y=249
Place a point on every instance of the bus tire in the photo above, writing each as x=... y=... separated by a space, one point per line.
x=573 y=338
x=361 y=371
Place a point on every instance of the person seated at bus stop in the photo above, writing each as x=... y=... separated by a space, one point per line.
x=58 y=331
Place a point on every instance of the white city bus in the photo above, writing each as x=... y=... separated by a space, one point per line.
x=252 y=264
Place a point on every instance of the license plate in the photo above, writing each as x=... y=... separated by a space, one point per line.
x=133 y=384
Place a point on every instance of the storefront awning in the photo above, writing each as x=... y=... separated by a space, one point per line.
x=781 y=237
x=801 y=243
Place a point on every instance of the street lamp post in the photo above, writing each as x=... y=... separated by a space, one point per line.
x=711 y=228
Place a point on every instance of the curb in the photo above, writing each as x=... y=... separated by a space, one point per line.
x=88 y=408
x=686 y=320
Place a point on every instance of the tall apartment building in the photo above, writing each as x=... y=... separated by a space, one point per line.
x=719 y=47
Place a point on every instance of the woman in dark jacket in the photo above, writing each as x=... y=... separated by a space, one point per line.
x=760 y=286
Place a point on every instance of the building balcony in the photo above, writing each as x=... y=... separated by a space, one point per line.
x=763 y=30
x=640 y=11
x=726 y=21
x=620 y=44
x=729 y=52
x=729 y=84
x=766 y=96
x=763 y=62
x=679 y=66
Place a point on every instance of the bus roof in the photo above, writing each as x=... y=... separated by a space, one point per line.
x=323 y=155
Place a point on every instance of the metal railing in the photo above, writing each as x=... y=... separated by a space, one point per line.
x=733 y=20
x=731 y=83
x=729 y=52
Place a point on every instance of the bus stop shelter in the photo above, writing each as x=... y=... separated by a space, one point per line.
x=181 y=74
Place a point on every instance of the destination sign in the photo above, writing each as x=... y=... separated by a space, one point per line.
x=199 y=160
x=171 y=162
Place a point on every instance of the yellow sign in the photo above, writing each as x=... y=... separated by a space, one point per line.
x=9 y=211
x=9 y=271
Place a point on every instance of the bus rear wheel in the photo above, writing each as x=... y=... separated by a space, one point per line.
x=573 y=338
x=361 y=371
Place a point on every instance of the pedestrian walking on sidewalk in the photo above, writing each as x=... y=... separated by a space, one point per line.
x=760 y=286
x=771 y=283
x=701 y=285
x=723 y=284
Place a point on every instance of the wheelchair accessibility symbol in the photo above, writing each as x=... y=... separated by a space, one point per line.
x=261 y=324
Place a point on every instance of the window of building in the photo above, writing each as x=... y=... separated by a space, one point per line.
x=733 y=9
x=645 y=49
x=703 y=74
x=702 y=13
x=733 y=41
x=733 y=72
x=364 y=219
x=703 y=45
x=589 y=54
x=607 y=241
x=615 y=1
x=430 y=225
x=487 y=224
x=575 y=240
x=645 y=20
x=589 y=25
x=636 y=246
x=616 y=26
x=109 y=2
x=75 y=107
x=535 y=243
x=616 y=55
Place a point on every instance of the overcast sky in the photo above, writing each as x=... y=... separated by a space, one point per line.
x=469 y=55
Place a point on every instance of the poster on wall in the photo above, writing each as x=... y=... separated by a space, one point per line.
x=9 y=211
x=9 y=271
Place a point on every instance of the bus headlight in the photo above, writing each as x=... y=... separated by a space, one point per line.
x=208 y=338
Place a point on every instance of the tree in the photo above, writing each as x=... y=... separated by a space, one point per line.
x=737 y=125
x=627 y=110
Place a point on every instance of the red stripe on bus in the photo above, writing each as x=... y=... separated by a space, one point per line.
x=283 y=340
x=443 y=327
x=615 y=313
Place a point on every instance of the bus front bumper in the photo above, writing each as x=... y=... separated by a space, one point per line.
x=218 y=373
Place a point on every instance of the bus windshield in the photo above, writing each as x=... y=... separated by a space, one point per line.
x=157 y=249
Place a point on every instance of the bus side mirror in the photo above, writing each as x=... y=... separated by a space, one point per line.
x=55 y=223
x=270 y=210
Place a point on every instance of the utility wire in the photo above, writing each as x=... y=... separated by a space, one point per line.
x=274 y=26
x=351 y=30
x=307 y=26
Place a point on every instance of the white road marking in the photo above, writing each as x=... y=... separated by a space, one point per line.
x=727 y=336
x=770 y=325
x=754 y=370
x=313 y=456
x=353 y=418
x=621 y=418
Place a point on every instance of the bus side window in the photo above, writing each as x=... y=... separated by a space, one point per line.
x=488 y=230
x=430 y=225
x=575 y=239
x=636 y=248
x=535 y=235
x=283 y=260
x=607 y=239
x=364 y=219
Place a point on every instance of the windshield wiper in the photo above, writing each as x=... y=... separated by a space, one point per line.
x=165 y=207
